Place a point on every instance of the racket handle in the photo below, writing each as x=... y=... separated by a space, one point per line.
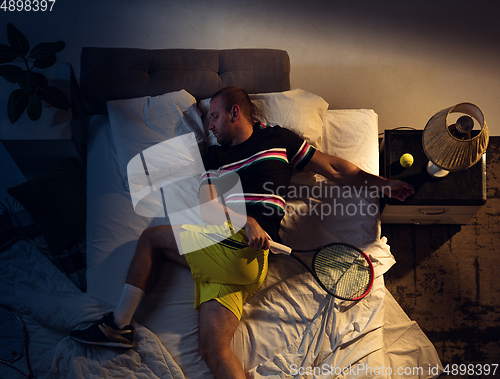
x=278 y=248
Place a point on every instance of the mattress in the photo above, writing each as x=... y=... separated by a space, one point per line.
x=290 y=325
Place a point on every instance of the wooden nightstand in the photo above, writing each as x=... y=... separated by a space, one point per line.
x=450 y=200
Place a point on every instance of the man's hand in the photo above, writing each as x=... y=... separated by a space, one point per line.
x=257 y=237
x=398 y=189
x=345 y=173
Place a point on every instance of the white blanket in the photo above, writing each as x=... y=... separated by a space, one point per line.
x=322 y=335
x=50 y=305
x=297 y=330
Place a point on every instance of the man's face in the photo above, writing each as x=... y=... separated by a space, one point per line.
x=220 y=123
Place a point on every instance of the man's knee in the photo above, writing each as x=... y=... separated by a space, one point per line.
x=207 y=352
x=216 y=329
x=154 y=232
x=212 y=353
x=158 y=237
x=160 y=240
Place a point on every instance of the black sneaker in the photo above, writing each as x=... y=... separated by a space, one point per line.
x=105 y=333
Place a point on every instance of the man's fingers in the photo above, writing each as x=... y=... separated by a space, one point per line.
x=266 y=245
x=261 y=243
x=404 y=194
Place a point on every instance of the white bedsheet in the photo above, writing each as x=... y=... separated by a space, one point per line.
x=272 y=337
x=50 y=305
x=333 y=336
x=287 y=324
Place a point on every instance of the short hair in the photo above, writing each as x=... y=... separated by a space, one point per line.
x=236 y=95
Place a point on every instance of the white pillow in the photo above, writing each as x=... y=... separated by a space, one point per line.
x=204 y=107
x=137 y=124
x=352 y=134
x=297 y=110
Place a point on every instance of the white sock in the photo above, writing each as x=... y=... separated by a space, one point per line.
x=130 y=300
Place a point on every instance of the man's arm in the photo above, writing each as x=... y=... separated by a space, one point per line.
x=214 y=212
x=345 y=173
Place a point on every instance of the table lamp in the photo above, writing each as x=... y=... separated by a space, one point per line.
x=450 y=147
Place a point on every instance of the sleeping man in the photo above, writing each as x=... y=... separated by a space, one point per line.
x=228 y=271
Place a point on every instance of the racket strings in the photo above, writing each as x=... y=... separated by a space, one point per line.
x=11 y=336
x=343 y=271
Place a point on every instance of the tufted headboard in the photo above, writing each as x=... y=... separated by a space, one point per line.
x=124 y=73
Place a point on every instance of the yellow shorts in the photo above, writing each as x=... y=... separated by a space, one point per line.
x=228 y=271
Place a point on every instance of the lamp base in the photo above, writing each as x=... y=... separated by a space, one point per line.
x=435 y=171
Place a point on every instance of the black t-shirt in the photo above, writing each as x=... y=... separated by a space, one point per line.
x=264 y=164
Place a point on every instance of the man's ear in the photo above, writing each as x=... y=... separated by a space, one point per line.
x=235 y=113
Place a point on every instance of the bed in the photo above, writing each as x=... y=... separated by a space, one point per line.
x=290 y=328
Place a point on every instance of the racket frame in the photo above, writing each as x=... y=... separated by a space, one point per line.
x=313 y=271
x=25 y=348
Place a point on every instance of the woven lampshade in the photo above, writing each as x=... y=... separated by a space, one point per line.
x=444 y=149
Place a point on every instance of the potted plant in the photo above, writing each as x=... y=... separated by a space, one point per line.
x=33 y=86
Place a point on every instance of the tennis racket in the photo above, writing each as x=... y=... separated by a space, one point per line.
x=13 y=341
x=342 y=270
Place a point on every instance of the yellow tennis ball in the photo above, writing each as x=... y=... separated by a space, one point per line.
x=406 y=160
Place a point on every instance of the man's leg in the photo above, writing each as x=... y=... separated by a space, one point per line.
x=217 y=324
x=114 y=330
x=155 y=244
x=216 y=329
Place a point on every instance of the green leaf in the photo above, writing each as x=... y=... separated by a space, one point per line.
x=46 y=49
x=55 y=97
x=7 y=54
x=34 y=109
x=45 y=62
x=10 y=72
x=18 y=101
x=42 y=80
x=28 y=81
x=17 y=40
